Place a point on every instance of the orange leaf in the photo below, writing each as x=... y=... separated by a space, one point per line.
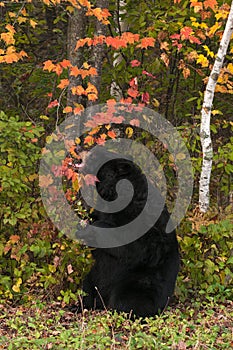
x=145 y=42
x=67 y=109
x=14 y=238
x=89 y=140
x=116 y=42
x=91 y=89
x=10 y=58
x=21 y=19
x=8 y=38
x=48 y=65
x=98 y=39
x=112 y=134
x=74 y=71
x=33 y=24
x=78 y=109
x=58 y=69
x=210 y=3
x=94 y=131
x=78 y=90
x=65 y=63
x=92 y=97
x=82 y=42
x=92 y=71
x=130 y=37
x=63 y=83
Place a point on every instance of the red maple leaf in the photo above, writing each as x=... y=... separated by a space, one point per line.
x=135 y=63
x=90 y=179
x=132 y=92
x=185 y=32
x=135 y=122
x=145 y=97
x=53 y=104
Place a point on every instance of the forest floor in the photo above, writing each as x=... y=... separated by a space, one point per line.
x=48 y=326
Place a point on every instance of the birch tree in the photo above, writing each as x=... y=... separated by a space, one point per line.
x=207 y=149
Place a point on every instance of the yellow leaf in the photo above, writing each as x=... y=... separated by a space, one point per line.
x=86 y=65
x=155 y=102
x=215 y=111
x=44 y=117
x=21 y=19
x=75 y=185
x=171 y=158
x=16 y=286
x=214 y=28
x=203 y=60
x=230 y=67
x=52 y=268
x=32 y=177
x=209 y=52
x=70 y=9
x=129 y=132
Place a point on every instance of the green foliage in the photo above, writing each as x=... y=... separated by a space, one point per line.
x=33 y=257
x=20 y=155
x=186 y=327
x=207 y=260
x=40 y=261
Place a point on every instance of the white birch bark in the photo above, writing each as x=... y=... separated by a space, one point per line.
x=205 y=135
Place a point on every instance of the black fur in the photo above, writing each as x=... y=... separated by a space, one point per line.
x=138 y=277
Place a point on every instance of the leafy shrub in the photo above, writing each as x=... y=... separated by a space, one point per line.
x=207 y=260
x=41 y=262
x=33 y=256
x=21 y=152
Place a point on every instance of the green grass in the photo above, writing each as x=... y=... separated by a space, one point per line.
x=180 y=327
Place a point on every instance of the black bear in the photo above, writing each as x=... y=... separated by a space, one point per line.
x=138 y=277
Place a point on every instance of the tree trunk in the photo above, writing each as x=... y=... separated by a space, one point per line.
x=98 y=50
x=76 y=31
x=205 y=135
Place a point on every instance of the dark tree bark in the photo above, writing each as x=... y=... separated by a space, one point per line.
x=76 y=30
x=98 y=50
